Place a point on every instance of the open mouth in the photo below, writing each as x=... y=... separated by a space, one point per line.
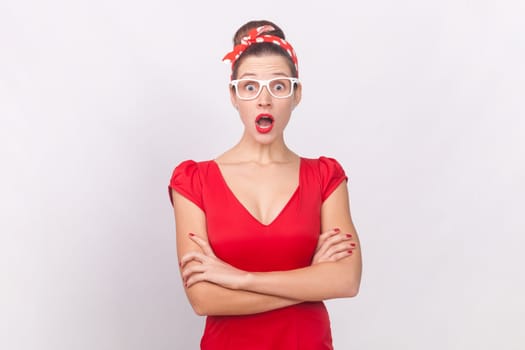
x=264 y=123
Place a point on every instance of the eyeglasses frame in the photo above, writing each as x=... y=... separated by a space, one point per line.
x=264 y=83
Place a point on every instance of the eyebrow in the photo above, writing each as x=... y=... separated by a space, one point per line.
x=276 y=74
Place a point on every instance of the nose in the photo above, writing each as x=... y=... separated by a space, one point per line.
x=264 y=99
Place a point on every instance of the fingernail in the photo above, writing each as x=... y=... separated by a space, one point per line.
x=192 y=234
x=352 y=244
x=350 y=252
x=180 y=263
x=348 y=235
x=337 y=230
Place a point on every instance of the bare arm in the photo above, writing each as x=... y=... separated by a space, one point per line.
x=322 y=281
x=210 y=299
x=207 y=298
x=317 y=282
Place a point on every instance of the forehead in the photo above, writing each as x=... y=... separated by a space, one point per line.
x=265 y=66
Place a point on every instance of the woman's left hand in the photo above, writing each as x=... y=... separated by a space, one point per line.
x=209 y=268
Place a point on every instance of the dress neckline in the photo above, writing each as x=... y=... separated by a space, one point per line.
x=250 y=214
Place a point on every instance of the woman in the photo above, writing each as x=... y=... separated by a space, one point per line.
x=264 y=235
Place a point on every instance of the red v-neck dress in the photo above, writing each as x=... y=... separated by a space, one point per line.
x=287 y=243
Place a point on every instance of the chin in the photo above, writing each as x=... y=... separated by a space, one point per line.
x=264 y=139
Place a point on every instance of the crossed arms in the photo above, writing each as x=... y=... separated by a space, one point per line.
x=214 y=287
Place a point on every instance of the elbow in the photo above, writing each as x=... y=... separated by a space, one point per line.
x=199 y=303
x=199 y=310
x=351 y=283
x=354 y=286
x=350 y=289
x=202 y=309
x=349 y=292
x=200 y=300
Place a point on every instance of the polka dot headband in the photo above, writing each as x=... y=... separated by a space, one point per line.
x=256 y=36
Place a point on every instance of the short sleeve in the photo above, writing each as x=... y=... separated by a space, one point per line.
x=332 y=174
x=186 y=180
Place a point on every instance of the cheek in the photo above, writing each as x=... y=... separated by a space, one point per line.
x=285 y=110
x=244 y=113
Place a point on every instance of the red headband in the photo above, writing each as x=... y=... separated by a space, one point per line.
x=255 y=36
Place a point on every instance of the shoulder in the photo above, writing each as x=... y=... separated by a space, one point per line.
x=190 y=168
x=327 y=171
x=324 y=165
x=189 y=173
x=188 y=179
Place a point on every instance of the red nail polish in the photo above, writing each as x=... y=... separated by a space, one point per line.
x=350 y=251
x=337 y=230
x=348 y=235
x=352 y=244
x=192 y=234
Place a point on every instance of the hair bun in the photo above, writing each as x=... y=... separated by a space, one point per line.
x=245 y=29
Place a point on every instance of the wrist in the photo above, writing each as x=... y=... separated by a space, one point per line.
x=247 y=281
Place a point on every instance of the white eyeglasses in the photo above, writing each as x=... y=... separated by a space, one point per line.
x=249 y=89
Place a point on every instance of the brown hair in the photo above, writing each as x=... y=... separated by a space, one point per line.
x=260 y=49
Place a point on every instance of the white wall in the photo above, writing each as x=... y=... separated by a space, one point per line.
x=421 y=101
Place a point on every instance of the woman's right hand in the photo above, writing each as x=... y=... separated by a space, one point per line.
x=209 y=268
x=333 y=246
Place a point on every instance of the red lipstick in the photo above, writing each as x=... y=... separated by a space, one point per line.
x=264 y=123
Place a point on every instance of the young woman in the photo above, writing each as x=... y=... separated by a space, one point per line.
x=264 y=235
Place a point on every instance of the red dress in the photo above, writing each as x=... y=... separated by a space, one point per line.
x=288 y=242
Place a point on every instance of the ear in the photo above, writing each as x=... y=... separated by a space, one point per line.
x=297 y=95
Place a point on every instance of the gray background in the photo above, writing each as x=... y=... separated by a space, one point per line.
x=421 y=101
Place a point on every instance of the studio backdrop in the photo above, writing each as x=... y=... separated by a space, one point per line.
x=420 y=101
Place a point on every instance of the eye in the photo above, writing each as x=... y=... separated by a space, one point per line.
x=279 y=86
x=250 y=87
